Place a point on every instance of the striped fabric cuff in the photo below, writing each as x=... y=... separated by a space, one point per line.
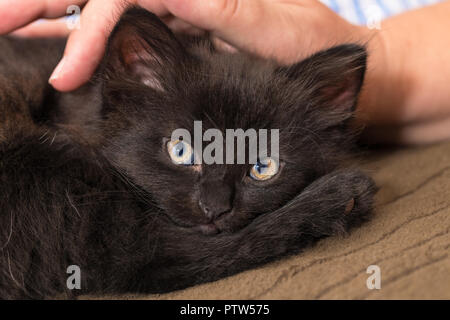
x=369 y=11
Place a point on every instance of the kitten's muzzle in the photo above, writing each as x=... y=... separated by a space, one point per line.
x=213 y=212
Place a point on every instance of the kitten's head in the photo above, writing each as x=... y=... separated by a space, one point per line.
x=154 y=85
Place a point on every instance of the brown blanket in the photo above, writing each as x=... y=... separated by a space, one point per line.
x=408 y=238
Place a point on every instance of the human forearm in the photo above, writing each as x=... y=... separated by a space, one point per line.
x=406 y=97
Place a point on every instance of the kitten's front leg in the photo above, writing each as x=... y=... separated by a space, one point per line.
x=330 y=205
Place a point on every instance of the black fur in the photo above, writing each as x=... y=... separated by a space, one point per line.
x=85 y=179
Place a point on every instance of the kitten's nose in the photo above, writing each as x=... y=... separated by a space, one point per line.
x=216 y=195
x=214 y=211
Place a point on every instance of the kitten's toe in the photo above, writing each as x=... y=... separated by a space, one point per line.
x=358 y=209
x=350 y=206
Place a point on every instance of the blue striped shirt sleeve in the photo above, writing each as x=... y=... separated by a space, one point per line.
x=364 y=11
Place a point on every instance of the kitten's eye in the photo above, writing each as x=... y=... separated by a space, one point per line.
x=181 y=152
x=264 y=169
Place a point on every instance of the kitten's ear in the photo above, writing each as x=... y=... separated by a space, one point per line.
x=332 y=77
x=142 y=47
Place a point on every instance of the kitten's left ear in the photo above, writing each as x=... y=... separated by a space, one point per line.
x=332 y=77
x=141 y=47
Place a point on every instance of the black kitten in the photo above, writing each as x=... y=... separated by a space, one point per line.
x=89 y=179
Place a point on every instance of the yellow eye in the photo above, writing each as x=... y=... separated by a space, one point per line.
x=180 y=152
x=264 y=169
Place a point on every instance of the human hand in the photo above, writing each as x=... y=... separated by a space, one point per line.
x=283 y=30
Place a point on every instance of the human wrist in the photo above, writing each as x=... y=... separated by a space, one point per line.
x=385 y=88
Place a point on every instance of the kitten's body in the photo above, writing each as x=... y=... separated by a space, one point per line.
x=84 y=180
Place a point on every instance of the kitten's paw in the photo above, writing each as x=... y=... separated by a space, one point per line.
x=356 y=191
x=334 y=203
x=331 y=205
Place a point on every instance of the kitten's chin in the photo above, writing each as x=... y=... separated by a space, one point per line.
x=207 y=229
x=219 y=226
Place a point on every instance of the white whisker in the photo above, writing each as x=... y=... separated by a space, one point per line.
x=10 y=272
x=10 y=234
x=72 y=205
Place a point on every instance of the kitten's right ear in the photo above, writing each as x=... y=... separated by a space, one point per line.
x=333 y=77
x=142 y=48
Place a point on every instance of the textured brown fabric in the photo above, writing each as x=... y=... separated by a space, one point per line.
x=408 y=238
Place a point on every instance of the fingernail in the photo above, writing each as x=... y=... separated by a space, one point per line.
x=57 y=72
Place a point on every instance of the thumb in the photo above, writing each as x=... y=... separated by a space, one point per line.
x=215 y=14
x=241 y=23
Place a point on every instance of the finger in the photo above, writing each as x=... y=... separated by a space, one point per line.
x=178 y=25
x=227 y=18
x=155 y=6
x=86 y=45
x=217 y=15
x=223 y=46
x=181 y=26
x=18 y=13
x=47 y=28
